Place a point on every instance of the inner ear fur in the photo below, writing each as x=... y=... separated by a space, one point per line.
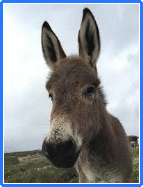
x=89 y=37
x=52 y=49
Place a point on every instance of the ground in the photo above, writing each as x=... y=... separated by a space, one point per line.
x=33 y=167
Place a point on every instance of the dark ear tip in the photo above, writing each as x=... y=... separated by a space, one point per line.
x=46 y=25
x=86 y=11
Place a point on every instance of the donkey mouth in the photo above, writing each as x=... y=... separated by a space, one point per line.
x=64 y=161
x=62 y=155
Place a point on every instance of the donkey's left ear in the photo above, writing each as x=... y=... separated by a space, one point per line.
x=88 y=38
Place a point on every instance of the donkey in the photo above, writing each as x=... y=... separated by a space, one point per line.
x=82 y=133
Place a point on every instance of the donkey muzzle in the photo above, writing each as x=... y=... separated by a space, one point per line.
x=61 y=154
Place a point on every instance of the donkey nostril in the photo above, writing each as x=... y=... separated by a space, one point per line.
x=48 y=149
x=63 y=148
x=44 y=148
x=67 y=147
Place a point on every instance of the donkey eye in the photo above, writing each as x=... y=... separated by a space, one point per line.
x=89 y=92
x=51 y=96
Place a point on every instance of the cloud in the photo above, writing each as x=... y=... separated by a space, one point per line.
x=26 y=104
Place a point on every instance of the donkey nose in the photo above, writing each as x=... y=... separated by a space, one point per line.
x=63 y=148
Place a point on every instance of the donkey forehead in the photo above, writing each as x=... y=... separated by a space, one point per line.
x=72 y=72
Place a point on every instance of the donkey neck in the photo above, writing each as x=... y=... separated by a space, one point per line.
x=101 y=144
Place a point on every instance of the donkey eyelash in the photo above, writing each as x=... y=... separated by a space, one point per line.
x=51 y=96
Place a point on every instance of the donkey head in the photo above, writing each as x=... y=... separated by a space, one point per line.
x=73 y=88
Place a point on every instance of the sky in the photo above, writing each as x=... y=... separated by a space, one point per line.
x=27 y=106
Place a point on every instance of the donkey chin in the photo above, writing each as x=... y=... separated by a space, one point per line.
x=62 y=154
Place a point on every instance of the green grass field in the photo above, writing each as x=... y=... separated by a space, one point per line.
x=37 y=169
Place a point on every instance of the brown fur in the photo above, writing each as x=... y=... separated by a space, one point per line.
x=82 y=131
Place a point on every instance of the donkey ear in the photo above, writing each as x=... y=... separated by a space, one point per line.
x=88 y=38
x=51 y=46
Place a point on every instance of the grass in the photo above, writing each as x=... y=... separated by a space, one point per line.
x=40 y=170
x=135 y=157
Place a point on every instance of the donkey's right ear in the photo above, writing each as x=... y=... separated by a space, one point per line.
x=51 y=46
